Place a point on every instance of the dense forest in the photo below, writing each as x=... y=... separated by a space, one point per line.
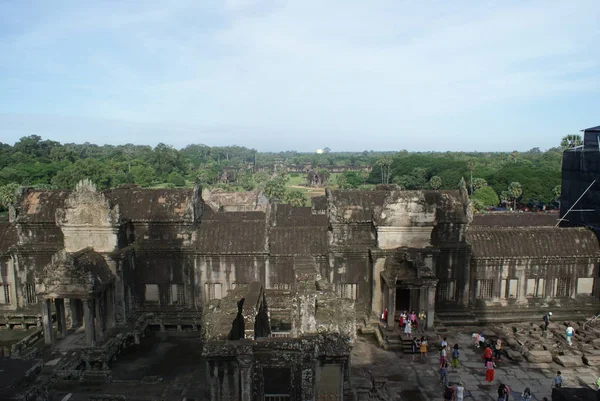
x=517 y=179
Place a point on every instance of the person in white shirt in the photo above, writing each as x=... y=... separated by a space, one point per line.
x=460 y=392
x=570 y=332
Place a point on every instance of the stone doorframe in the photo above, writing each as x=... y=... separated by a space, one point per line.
x=406 y=271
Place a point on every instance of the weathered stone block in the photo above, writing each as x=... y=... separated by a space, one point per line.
x=539 y=356
x=591 y=359
x=568 y=361
x=514 y=355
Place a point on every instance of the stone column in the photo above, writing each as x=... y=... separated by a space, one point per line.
x=47 y=322
x=212 y=383
x=88 y=322
x=111 y=320
x=245 y=368
x=227 y=393
x=76 y=309
x=430 y=306
x=99 y=304
x=391 y=306
x=61 y=320
x=308 y=382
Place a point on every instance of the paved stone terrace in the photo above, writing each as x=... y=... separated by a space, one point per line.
x=419 y=380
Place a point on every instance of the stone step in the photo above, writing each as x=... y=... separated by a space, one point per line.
x=591 y=360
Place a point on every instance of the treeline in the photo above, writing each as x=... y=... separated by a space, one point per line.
x=40 y=163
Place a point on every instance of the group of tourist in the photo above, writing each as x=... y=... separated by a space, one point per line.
x=569 y=332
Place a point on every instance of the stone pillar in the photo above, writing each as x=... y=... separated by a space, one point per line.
x=211 y=380
x=111 y=320
x=88 y=322
x=226 y=393
x=391 y=306
x=245 y=368
x=61 y=320
x=430 y=306
x=76 y=308
x=99 y=304
x=47 y=322
x=308 y=382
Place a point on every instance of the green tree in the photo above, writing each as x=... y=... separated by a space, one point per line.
x=486 y=196
x=295 y=198
x=385 y=164
x=143 y=175
x=571 y=141
x=275 y=188
x=8 y=194
x=176 y=179
x=349 y=180
x=435 y=182
x=479 y=183
x=515 y=190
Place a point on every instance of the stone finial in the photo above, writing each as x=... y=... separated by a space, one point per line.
x=86 y=185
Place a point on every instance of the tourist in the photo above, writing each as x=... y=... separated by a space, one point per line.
x=460 y=392
x=401 y=321
x=407 y=328
x=384 y=316
x=569 y=332
x=503 y=392
x=444 y=373
x=498 y=349
x=415 y=348
x=422 y=320
x=558 y=380
x=443 y=355
x=547 y=320
x=455 y=354
x=423 y=347
x=598 y=383
x=449 y=393
x=526 y=396
x=489 y=371
x=413 y=320
x=475 y=337
x=444 y=343
x=487 y=354
x=481 y=340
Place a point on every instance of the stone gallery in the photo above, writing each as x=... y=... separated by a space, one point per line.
x=273 y=289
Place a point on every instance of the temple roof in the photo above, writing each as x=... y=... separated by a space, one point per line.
x=287 y=215
x=39 y=206
x=293 y=240
x=74 y=275
x=232 y=236
x=162 y=205
x=511 y=219
x=533 y=243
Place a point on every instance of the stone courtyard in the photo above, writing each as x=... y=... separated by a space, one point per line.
x=398 y=377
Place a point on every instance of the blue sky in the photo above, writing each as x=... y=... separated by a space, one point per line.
x=301 y=74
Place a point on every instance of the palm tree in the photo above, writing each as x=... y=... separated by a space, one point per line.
x=571 y=141
x=515 y=190
x=435 y=182
x=384 y=164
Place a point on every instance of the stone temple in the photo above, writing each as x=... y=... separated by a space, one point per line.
x=272 y=291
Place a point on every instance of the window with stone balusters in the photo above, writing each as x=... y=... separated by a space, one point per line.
x=5 y=293
x=485 y=289
x=562 y=287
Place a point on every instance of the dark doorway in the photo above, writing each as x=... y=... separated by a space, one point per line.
x=402 y=300
x=277 y=381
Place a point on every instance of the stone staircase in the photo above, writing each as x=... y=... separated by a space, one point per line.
x=396 y=341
